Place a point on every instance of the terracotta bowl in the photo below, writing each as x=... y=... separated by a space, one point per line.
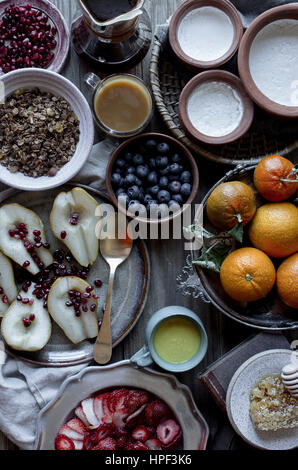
x=227 y=7
x=185 y=153
x=289 y=11
x=235 y=83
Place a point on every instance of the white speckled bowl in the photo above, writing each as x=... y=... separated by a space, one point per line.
x=58 y=85
x=238 y=403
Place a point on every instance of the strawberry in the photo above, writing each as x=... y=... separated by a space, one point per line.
x=169 y=433
x=70 y=433
x=120 y=417
x=88 y=409
x=153 y=444
x=97 y=406
x=81 y=415
x=141 y=433
x=136 y=399
x=77 y=426
x=105 y=430
x=91 y=440
x=136 y=446
x=118 y=398
x=136 y=418
x=156 y=411
x=121 y=442
x=64 y=443
x=121 y=436
x=106 y=444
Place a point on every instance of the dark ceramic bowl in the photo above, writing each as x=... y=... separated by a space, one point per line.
x=228 y=8
x=184 y=152
x=289 y=11
x=235 y=83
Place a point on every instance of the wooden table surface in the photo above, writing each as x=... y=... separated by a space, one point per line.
x=167 y=260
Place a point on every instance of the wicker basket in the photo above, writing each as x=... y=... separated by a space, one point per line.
x=167 y=85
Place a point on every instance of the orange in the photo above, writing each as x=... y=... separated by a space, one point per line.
x=247 y=275
x=269 y=176
x=274 y=229
x=230 y=203
x=287 y=281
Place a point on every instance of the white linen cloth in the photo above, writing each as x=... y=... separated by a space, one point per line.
x=24 y=388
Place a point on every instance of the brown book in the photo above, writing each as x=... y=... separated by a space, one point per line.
x=218 y=375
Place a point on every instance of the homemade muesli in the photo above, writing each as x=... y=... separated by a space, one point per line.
x=39 y=133
x=272 y=406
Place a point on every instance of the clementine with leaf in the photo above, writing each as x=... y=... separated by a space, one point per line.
x=247 y=275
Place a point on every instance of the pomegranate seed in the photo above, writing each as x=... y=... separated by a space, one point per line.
x=36 y=233
x=19 y=298
x=26 y=322
x=32 y=317
x=1 y=290
x=98 y=283
x=63 y=235
x=26 y=264
x=93 y=308
x=31 y=302
x=25 y=301
x=5 y=299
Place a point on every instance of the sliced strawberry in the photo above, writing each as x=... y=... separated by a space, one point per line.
x=118 y=398
x=174 y=444
x=141 y=433
x=121 y=436
x=105 y=430
x=153 y=444
x=106 y=444
x=64 y=443
x=136 y=399
x=135 y=418
x=121 y=442
x=91 y=440
x=77 y=426
x=107 y=403
x=108 y=418
x=119 y=417
x=97 y=406
x=168 y=431
x=136 y=446
x=81 y=415
x=70 y=433
x=78 y=444
x=88 y=410
x=156 y=411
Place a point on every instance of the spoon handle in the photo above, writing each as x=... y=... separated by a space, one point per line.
x=103 y=346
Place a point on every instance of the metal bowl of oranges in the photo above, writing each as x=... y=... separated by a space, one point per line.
x=248 y=266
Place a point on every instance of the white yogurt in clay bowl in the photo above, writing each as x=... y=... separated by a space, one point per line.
x=214 y=107
x=205 y=34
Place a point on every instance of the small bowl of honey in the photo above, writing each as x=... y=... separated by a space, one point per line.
x=122 y=104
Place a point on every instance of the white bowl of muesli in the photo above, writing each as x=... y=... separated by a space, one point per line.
x=46 y=129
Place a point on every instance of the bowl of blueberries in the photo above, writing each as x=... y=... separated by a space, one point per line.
x=152 y=177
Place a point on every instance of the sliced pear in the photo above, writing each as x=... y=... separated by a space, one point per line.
x=8 y=287
x=76 y=328
x=80 y=238
x=20 y=337
x=11 y=215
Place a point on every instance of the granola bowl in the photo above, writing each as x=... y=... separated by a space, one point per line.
x=244 y=381
x=40 y=168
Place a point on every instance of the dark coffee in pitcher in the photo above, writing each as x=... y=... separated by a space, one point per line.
x=105 y=10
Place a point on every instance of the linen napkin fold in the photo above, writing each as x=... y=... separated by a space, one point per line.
x=24 y=388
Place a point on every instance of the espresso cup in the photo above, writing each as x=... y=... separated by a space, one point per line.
x=148 y=354
x=122 y=104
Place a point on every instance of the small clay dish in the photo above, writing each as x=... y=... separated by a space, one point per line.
x=289 y=12
x=131 y=145
x=236 y=84
x=186 y=7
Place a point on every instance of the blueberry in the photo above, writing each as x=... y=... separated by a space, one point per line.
x=120 y=163
x=152 y=178
x=151 y=145
x=163 y=148
x=164 y=172
x=131 y=169
x=186 y=189
x=152 y=208
x=142 y=171
x=175 y=169
x=147 y=198
x=138 y=182
x=138 y=159
x=120 y=191
x=154 y=190
x=152 y=163
x=164 y=197
x=163 y=182
x=118 y=170
x=176 y=158
x=162 y=162
x=186 y=177
x=116 y=179
x=134 y=202
x=175 y=187
x=129 y=179
x=178 y=198
x=133 y=192
x=174 y=206
x=128 y=157
x=123 y=199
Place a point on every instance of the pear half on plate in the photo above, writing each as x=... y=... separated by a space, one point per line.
x=8 y=289
x=18 y=241
x=74 y=219
x=20 y=330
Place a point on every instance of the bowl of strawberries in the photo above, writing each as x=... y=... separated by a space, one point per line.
x=85 y=415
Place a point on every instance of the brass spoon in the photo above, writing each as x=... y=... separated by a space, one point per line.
x=115 y=251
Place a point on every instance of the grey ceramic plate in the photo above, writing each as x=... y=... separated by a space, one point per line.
x=123 y=374
x=130 y=288
x=267 y=314
x=238 y=404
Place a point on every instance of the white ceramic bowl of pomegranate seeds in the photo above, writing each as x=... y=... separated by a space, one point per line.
x=32 y=34
x=162 y=415
x=59 y=86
